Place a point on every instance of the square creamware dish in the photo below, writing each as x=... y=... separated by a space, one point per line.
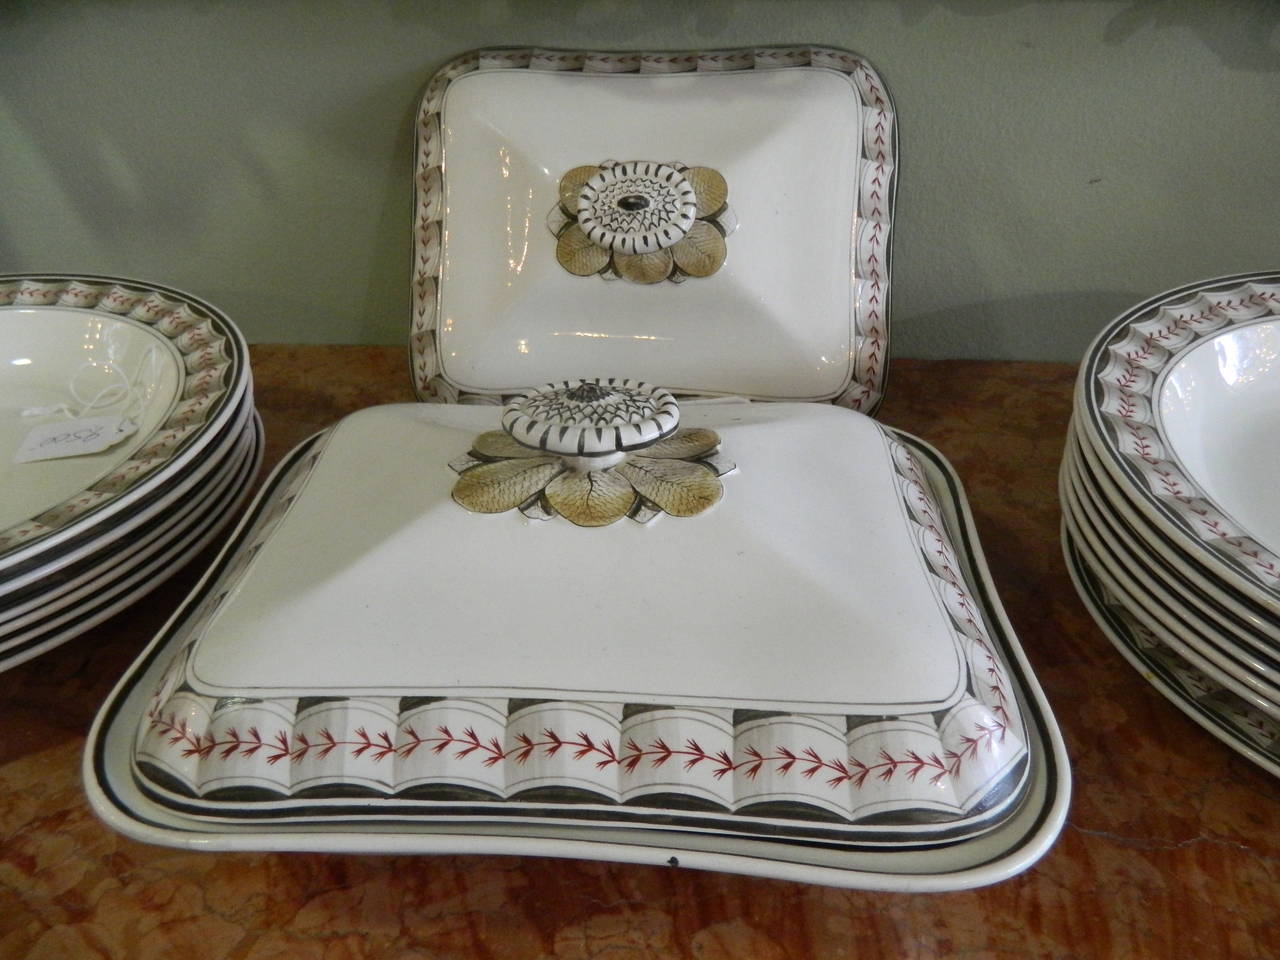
x=742 y=200
x=698 y=686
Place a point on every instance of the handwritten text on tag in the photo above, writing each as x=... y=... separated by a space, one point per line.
x=73 y=438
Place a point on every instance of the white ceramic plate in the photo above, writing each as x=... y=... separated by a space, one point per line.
x=1171 y=632
x=805 y=139
x=147 y=577
x=92 y=538
x=1155 y=610
x=1259 y=627
x=1218 y=409
x=1115 y=406
x=1215 y=622
x=203 y=377
x=1246 y=730
x=131 y=805
x=221 y=489
x=124 y=576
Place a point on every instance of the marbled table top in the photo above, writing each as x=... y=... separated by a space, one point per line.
x=1172 y=846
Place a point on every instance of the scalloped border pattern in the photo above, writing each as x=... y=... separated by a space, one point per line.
x=877 y=179
x=198 y=337
x=1128 y=363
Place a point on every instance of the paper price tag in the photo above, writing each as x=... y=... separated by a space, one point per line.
x=73 y=438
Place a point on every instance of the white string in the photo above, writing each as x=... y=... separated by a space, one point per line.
x=126 y=389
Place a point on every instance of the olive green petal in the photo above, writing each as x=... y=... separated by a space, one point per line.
x=498 y=445
x=644 y=267
x=504 y=484
x=591 y=499
x=578 y=254
x=571 y=185
x=685 y=444
x=710 y=189
x=701 y=253
x=680 y=488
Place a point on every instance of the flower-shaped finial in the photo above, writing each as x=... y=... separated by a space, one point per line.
x=592 y=418
x=594 y=451
x=642 y=220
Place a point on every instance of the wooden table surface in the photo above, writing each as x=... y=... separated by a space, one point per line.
x=1172 y=845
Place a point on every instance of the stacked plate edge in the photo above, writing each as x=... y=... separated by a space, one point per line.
x=163 y=374
x=1171 y=528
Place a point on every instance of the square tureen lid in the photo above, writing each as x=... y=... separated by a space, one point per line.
x=592 y=609
x=805 y=587
x=715 y=222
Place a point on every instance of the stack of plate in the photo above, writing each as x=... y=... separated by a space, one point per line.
x=83 y=535
x=1170 y=514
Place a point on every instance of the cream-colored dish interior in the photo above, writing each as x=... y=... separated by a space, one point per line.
x=776 y=321
x=1219 y=410
x=44 y=351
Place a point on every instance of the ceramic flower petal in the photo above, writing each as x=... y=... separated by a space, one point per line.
x=644 y=267
x=570 y=185
x=685 y=444
x=505 y=484
x=701 y=252
x=591 y=499
x=680 y=488
x=710 y=187
x=498 y=445
x=579 y=255
x=557 y=220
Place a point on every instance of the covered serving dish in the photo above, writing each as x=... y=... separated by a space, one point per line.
x=634 y=615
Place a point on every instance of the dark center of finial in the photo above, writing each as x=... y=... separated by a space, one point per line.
x=586 y=393
x=633 y=202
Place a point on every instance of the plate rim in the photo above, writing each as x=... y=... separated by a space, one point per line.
x=133 y=515
x=157 y=532
x=1165 y=550
x=1180 y=583
x=1230 y=557
x=178 y=555
x=1154 y=673
x=1179 y=635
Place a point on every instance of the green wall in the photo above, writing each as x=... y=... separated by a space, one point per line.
x=1060 y=161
